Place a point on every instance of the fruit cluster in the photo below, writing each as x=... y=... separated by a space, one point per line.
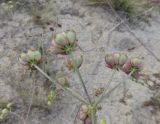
x=120 y=61
x=31 y=57
x=84 y=114
x=63 y=43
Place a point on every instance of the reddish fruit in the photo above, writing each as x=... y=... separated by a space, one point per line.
x=88 y=121
x=127 y=66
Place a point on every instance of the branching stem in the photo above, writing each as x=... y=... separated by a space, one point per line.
x=73 y=93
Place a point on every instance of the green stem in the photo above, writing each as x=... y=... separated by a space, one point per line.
x=93 y=116
x=73 y=93
x=106 y=89
x=80 y=78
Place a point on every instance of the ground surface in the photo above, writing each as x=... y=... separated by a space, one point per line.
x=93 y=25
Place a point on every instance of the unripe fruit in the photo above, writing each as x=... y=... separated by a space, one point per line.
x=71 y=35
x=63 y=43
x=84 y=108
x=116 y=58
x=24 y=57
x=109 y=59
x=60 y=39
x=37 y=55
x=31 y=55
x=136 y=62
x=122 y=59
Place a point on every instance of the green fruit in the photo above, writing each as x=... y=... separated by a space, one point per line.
x=37 y=55
x=136 y=62
x=71 y=35
x=30 y=55
x=34 y=55
x=116 y=58
x=122 y=59
x=109 y=59
x=84 y=108
x=60 y=39
x=24 y=57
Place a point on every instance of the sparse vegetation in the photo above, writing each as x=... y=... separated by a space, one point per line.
x=65 y=44
x=48 y=69
x=126 y=6
x=129 y=8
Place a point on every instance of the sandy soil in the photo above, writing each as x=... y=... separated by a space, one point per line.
x=93 y=25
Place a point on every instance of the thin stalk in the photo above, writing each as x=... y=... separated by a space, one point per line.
x=73 y=93
x=80 y=78
x=106 y=89
x=93 y=116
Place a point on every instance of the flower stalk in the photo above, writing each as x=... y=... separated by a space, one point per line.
x=76 y=69
x=93 y=114
x=80 y=78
